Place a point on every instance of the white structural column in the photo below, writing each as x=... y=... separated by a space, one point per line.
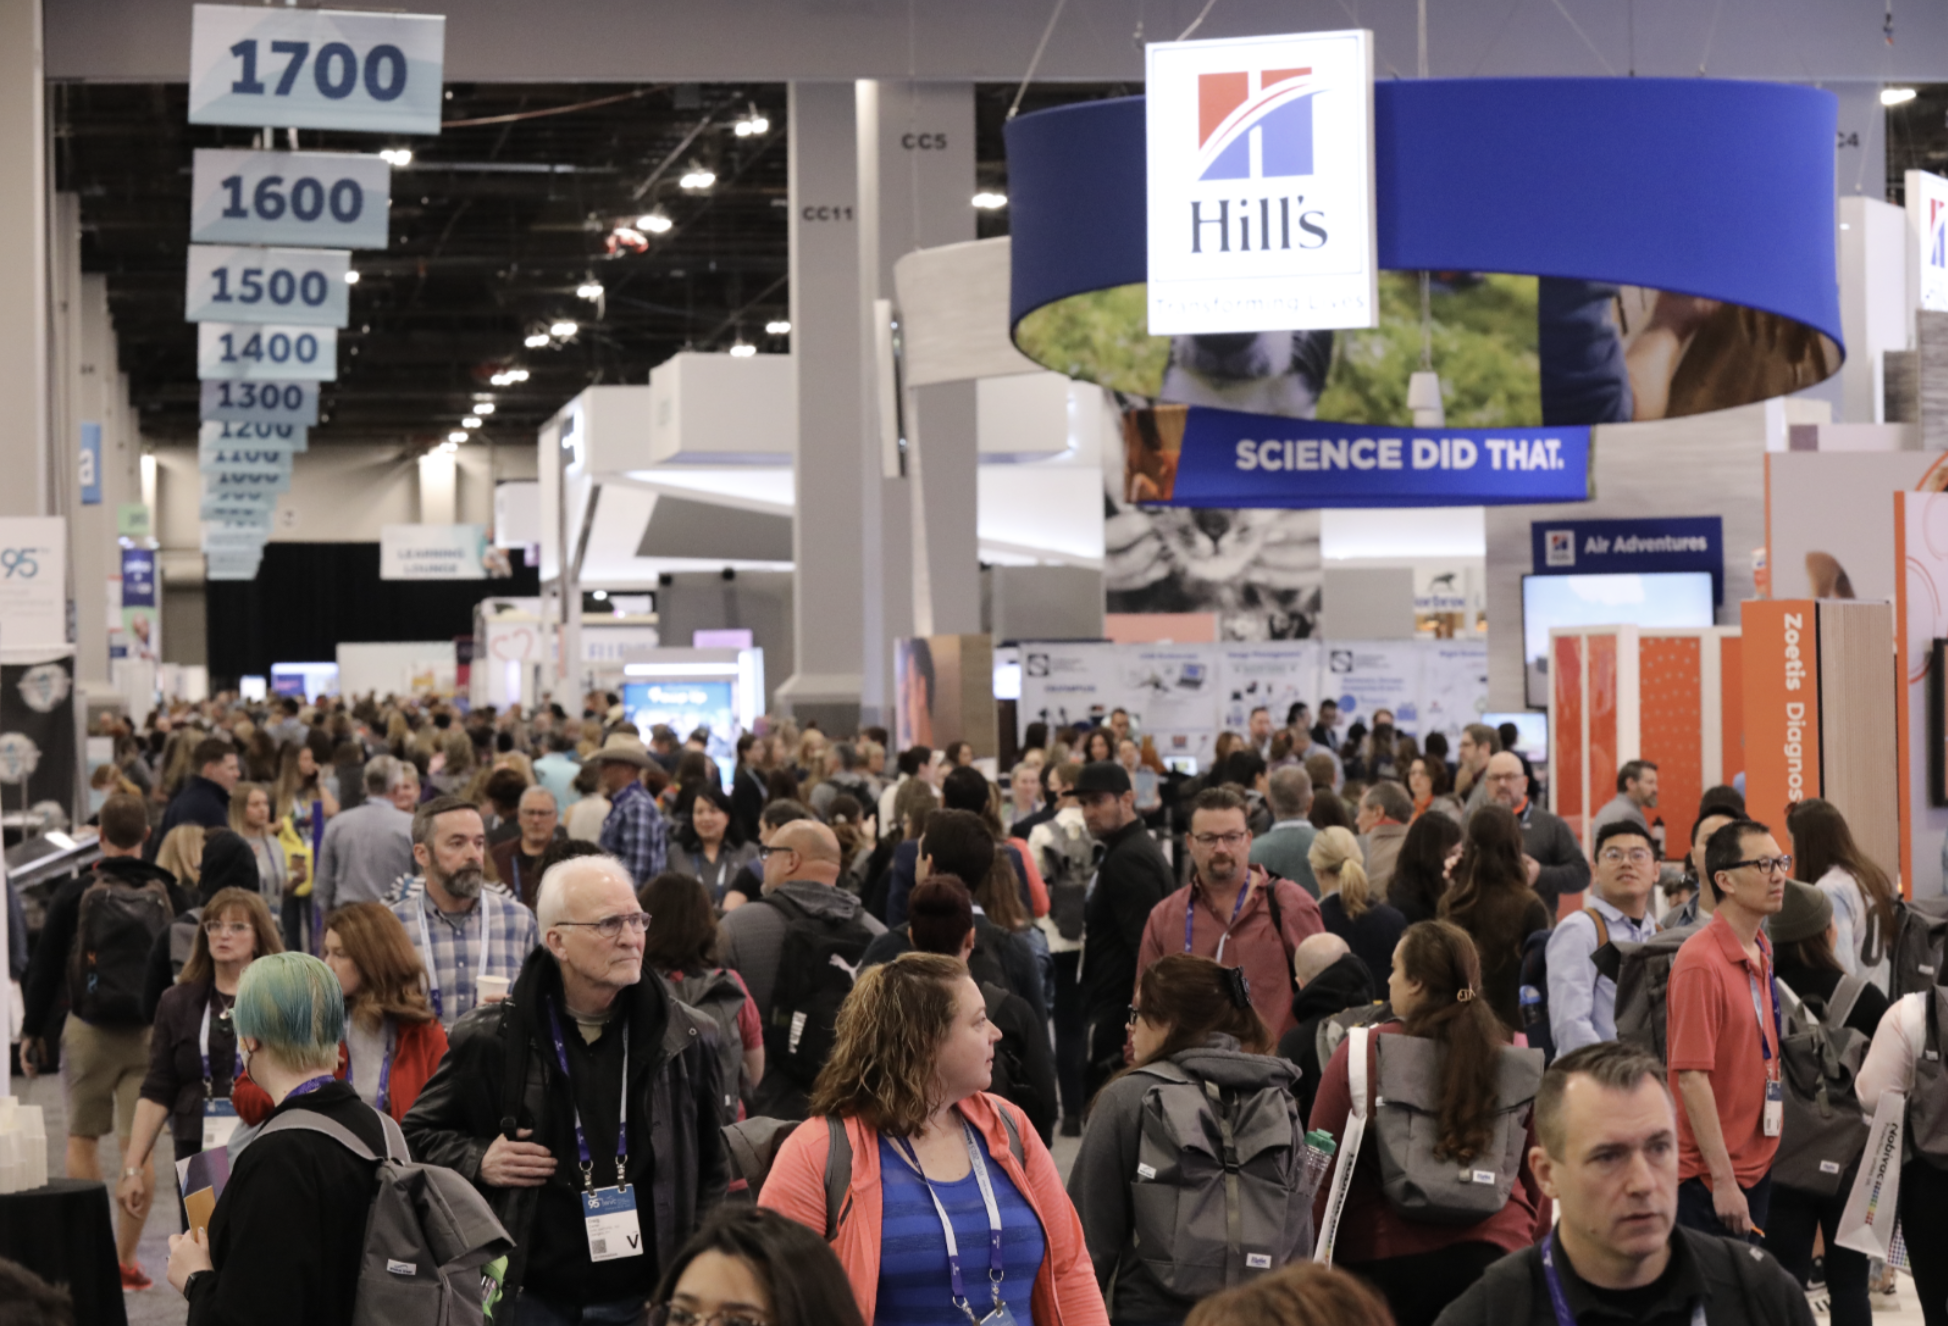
x=438 y=486
x=828 y=553
x=96 y=394
x=916 y=189
x=23 y=262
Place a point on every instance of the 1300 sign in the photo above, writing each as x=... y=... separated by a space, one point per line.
x=305 y=286
x=329 y=200
x=316 y=69
x=261 y=403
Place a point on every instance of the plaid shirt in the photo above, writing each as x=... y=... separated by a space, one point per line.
x=453 y=962
x=635 y=833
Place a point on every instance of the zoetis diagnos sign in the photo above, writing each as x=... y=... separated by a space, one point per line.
x=1260 y=158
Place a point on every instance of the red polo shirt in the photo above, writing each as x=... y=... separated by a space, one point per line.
x=1715 y=1030
x=1248 y=941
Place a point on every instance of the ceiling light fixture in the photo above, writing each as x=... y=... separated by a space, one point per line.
x=471 y=421
x=396 y=156
x=743 y=350
x=351 y=276
x=751 y=125
x=990 y=201
x=517 y=375
x=1896 y=96
x=537 y=341
x=698 y=178
x=777 y=327
x=456 y=437
x=483 y=407
x=562 y=330
x=590 y=290
x=656 y=223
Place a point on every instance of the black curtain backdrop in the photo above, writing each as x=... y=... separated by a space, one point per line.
x=307 y=597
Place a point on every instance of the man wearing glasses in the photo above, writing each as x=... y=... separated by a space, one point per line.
x=1724 y=1039
x=1554 y=860
x=1231 y=911
x=607 y=1155
x=1583 y=1001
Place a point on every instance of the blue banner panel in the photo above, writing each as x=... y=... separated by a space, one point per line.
x=1631 y=547
x=1227 y=458
x=138 y=578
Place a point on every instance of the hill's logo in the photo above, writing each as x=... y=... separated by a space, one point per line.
x=1255 y=126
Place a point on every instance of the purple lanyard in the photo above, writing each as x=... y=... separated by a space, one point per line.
x=307 y=1087
x=1561 y=1304
x=622 y=1117
x=1190 y=912
x=385 y=1068
x=979 y=1163
x=1778 y=1029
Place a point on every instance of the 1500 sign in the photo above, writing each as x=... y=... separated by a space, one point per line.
x=323 y=200
x=302 y=286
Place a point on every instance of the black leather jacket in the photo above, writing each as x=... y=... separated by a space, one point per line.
x=673 y=1086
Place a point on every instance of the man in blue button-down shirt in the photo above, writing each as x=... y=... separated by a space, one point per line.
x=1582 y=1001
x=635 y=832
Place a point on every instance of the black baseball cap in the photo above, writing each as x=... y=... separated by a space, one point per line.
x=1100 y=777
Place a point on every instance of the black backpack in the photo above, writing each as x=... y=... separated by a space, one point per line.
x=817 y=965
x=1535 y=985
x=1915 y=956
x=1011 y=1079
x=117 y=927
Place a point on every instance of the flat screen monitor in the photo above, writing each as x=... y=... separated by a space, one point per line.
x=685 y=706
x=1656 y=599
x=1531 y=732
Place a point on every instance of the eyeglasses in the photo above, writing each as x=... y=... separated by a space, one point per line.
x=1135 y=1013
x=668 y=1314
x=1637 y=856
x=610 y=927
x=1218 y=839
x=765 y=852
x=1767 y=864
x=227 y=927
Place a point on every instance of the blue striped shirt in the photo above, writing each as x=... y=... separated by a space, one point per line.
x=915 y=1288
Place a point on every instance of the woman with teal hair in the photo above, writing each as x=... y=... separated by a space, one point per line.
x=289 y=1228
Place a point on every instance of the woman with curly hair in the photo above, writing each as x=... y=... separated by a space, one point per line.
x=932 y=1154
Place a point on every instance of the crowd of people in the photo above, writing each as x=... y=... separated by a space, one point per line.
x=1348 y=1035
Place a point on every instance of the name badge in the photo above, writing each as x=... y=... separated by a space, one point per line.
x=1000 y=1316
x=1775 y=1109
x=219 y=1122
x=613 y=1230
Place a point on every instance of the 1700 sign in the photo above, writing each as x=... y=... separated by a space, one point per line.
x=316 y=69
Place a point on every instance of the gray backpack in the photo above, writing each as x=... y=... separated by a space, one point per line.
x=1407 y=1123
x=1218 y=1196
x=1920 y=939
x=1824 y=1130
x=1071 y=861
x=1927 y=1105
x=1642 y=972
x=434 y=1251
x=716 y=997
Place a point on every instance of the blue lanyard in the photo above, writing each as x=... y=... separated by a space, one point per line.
x=203 y=1046
x=1758 y=1011
x=1561 y=1304
x=1190 y=912
x=622 y=1118
x=979 y=1163
x=385 y=1067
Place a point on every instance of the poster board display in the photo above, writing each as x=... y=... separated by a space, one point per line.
x=946 y=692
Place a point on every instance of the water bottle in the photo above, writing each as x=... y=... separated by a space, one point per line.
x=1318 y=1158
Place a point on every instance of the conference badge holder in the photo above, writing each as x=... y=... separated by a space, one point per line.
x=614 y=1231
x=219 y=1122
x=1775 y=1107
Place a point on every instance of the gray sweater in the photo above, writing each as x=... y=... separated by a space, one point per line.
x=1105 y=1168
x=364 y=853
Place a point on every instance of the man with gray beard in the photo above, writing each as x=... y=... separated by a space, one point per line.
x=463 y=928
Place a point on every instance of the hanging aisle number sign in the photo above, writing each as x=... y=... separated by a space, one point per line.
x=316 y=69
x=302 y=286
x=244 y=352
x=289 y=404
x=219 y=436
x=319 y=200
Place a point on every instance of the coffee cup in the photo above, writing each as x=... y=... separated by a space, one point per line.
x=493 y=989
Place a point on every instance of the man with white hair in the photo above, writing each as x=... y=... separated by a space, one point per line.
x=584 y=1107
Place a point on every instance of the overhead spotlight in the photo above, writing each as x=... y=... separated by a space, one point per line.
x=537 y=341
x=456 y=437
x=562 y=330
x=396 y=156
x=517 y=375
x=777 y=327
x=589 y=290
x=471 y=421
x=1896 y=96
x=483 y=407
x=989 y=201
x=698 y=178
x=656 y=223
x=743 y=350
x=351 y=276
x=500 y=379
x=751 y=125
x=600 y=595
